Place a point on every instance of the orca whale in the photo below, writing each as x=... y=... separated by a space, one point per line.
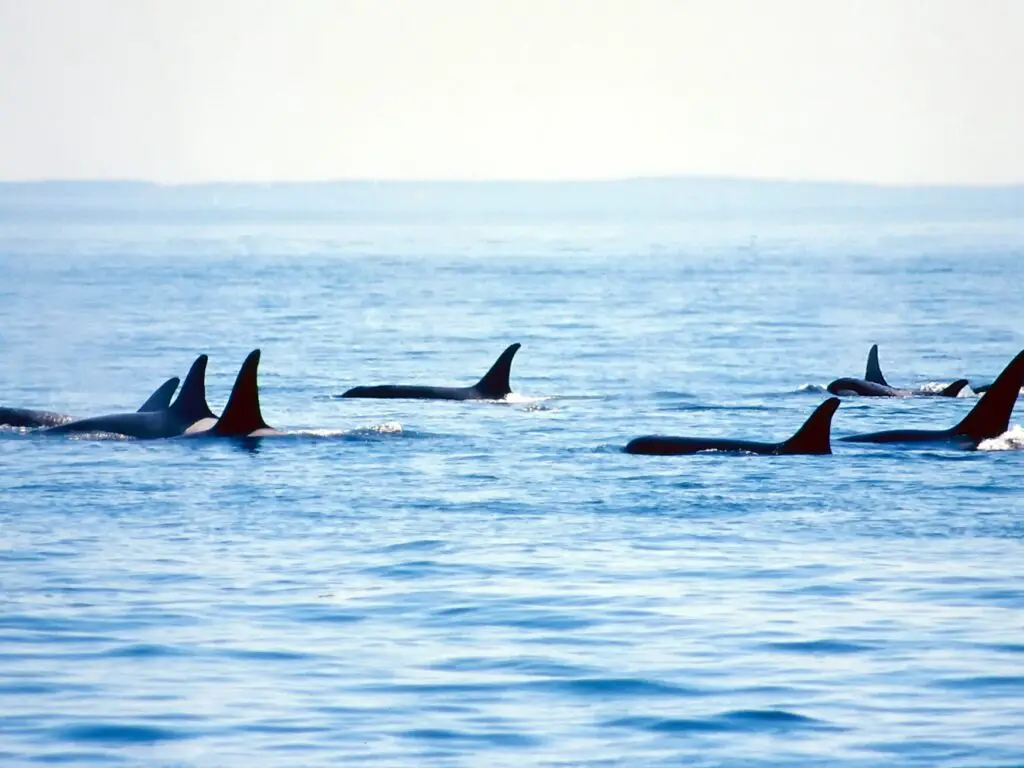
x=493 y=386
x=811 y=438
x=26 y=418
x=874 y=384
x=242 y=416
x=188 y=412
x=989 y=418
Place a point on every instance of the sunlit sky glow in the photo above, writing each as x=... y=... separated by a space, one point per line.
x=889 y=91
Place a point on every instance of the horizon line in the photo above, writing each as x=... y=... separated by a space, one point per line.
x=967 y=185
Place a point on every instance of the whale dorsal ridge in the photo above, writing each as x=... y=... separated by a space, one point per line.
x=873 y=372
x=494 y=385
x=242 y=414
x=190 y=405
x=161 y=399
x=814 y=435
x=991 y=416
x=954 y=389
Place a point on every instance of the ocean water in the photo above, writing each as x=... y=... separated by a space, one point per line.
x=466 y=584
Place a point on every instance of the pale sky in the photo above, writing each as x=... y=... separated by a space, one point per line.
x=889 y=91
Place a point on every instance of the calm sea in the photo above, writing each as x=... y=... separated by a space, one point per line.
x=481 y=584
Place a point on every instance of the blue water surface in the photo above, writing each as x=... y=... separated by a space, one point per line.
x=497 y=584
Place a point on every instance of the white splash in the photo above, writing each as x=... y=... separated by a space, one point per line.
x=111 y=436
x=1011 y=440
x=935 y=387
x=315 y=433
x=811 y=388
x=514 y=398
x=387 y=428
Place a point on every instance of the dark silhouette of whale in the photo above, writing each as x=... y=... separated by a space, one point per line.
x=188 y=412
x=493 y=386
x=242 y=416
x=989 y=418
x=26 y=418
x=811 y=438
x=874 y=384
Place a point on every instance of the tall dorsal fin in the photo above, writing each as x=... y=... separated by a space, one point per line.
x=954 y=389
x=190 y=405
x=242 y=413
x=494 y=384
x=991 y=416
x=873 y=372
x=161 y=399
x=814 y=435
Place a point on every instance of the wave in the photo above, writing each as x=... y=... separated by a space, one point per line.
x=737 y=721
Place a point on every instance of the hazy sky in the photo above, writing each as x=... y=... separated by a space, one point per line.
x=895 y=91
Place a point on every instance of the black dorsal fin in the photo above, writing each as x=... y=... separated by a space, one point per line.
x=954 y=389
x=873 y=372
x=494 y=384
x=991 y=416
x=814 y=435
x=190 y=405
x=161 y=399
x=242 y=414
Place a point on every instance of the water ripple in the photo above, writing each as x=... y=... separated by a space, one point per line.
x=118 y=733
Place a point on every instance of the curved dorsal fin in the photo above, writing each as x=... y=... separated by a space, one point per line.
x=190 y=404
x=954 y=389
x=814 y=435
x=494 y=384
x=242 y=413
x=991 y=416
x=873 y=372
x=161 y=399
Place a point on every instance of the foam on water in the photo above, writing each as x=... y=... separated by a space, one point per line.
x=1011 y=440
x=938 y=386
x=515 y=398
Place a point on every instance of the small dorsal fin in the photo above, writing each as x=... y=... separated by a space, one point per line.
x=161 y=399
x=242 y=414
x=494 y=384
x=190 y=405
x=873 y=372
x=954 y=389
x=814 y=435
x=991 y=416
